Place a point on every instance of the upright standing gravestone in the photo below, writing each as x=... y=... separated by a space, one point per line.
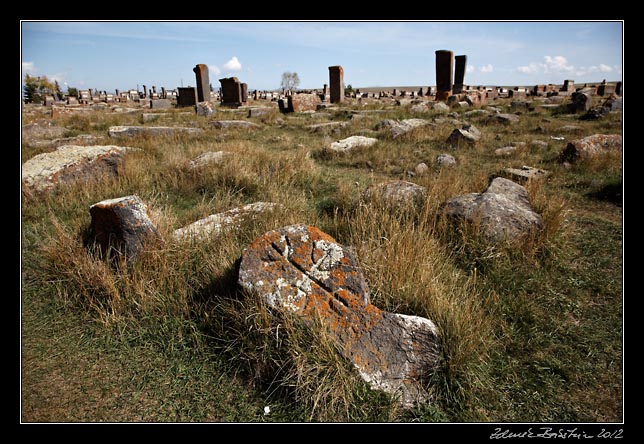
x=231 y=91
x=444 y=64
x=459 y=73
x=244 y=92
x=336 y=82
x=618 y=88
x=187 y=96
x=203 y=82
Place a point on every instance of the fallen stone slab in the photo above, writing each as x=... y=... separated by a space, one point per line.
x=261 y=111
x=305 y=271
x=328 y=127
x=132 y=131
x=591 y=146
x=352 y=142
x=150 y=117
x=541 y=144
x=83 y=139
x=395 y=193
x=228 y=124
x=503 y=212
x=506 y=119
x=525 y=173
x=70 y=163
x=399 y=128
x=214 y=224
x=505 y=151
x=120 y=227
x=35 y=131
x=208 y=158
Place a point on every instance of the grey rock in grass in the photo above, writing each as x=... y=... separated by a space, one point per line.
x=305 y=271
x=327 y=127
x=525 y=173
x=467 y=135
x=506 y=119
x=505 y=151
x=421 y=168
x=503 y=212
x=132 y=131
x=445 y=160
x=399 y=128
x=70 y=163
x=206 y=109
x=440 y=107
x=36 y=131
x=207 y=158
x=214 y=224
x=120 y=227
x=539 y=144
x=395 y=193
x=352 y=142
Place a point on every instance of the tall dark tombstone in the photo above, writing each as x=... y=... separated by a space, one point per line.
x=203 y=82
x=187 y=96
x=336 y=82
x=231 y=94
x=244 y=92
x=459 y=73
x=618 y=88
x=145 y=91
x=444 y=70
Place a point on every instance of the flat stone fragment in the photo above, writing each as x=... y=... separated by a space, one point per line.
x=227 y=124
x=396 y=193
x=503 y=211
x=304 y=270
x=131 y=131
x=71 y=163
x=591 y=146
x=214 y=224
x=505 y=151
x=208 y=158
x=35 y=131
x=526 y=173
x=399 y=128
x=505 y=119
x=467 y=135
x=121 y=226
x=82 y=139
x=352 y=142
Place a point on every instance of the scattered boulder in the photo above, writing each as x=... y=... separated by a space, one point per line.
x=468 y=135
x=419 y=108
x=214 y=224
x=36 y=131
x=208 y=158
x=395 y=193
x=506 y=119
x=519 y=105
x=421 y=169
x=539 y=144
x=118 y=132
x=591 y=146
x=440 y=107
x=70 y=163
x=352 y=142
x=399 y=128
x=581 y=102
x=503 y=212
x=304 y=270
x=120 y=227
x=206 y=109
x=445 y=160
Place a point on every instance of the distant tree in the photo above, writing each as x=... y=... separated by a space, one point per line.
x=72 y=92
x=57 y=92
x=36 y=88
x=290 y=80
x=348 y=89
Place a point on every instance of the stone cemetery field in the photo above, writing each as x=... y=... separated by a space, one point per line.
x=377 y=260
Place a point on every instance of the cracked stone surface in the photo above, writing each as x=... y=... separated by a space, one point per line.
x=503 y=211
x=591 y=146
x=303 y=269
x=71 y=163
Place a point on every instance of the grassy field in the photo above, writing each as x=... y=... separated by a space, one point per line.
x=530 y=333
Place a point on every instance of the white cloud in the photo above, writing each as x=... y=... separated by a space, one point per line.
x=28 y=66
x=556 y=64
x=470 y=68
x=605 y=68
x=532 y=68
x=486 y=68
x=233 y=64
x=214 y=69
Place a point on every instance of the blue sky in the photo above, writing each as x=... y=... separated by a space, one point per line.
x=109 y=55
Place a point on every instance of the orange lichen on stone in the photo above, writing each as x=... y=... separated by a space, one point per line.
x=303 y=269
